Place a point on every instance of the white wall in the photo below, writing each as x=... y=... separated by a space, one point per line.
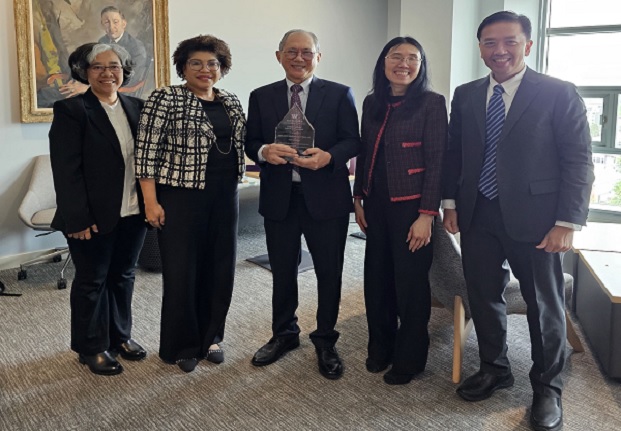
x=351 y=33
x=431 y=24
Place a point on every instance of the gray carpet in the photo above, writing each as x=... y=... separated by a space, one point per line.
x=43 y=387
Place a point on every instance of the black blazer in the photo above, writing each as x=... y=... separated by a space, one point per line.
x=543 y=161
x=87 y=163
x=331 y=110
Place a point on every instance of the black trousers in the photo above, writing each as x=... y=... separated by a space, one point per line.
x=198 y=245
x=485 y=249
x=326 y=243
x=101 y=292
x=396 y=284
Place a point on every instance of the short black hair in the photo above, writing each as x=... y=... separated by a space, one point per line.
x=112 y=9
x=507 y=16
x=202 y=43
x=81 y=58
x=381 y=85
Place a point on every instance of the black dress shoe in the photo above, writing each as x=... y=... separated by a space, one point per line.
x=274 y=350
x=187 y=365
x=546 y=413
x=482 y=385
x=330 y=365
x=129 y=350
x=102 y=363
x=374 y=366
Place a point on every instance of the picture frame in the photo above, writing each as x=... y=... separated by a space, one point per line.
x=49 y=30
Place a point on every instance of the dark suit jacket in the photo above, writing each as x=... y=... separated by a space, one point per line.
x=331 y=110
x=87 y=163
x=414 y=144
x=543 y=163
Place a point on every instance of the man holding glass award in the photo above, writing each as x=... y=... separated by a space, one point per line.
x=302 y=131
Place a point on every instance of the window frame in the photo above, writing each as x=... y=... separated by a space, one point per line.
x=610 y=94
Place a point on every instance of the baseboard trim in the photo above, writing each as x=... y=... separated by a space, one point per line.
x=15 y=260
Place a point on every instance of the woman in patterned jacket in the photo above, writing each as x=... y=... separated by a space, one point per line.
x=189 y=159
x=396 y=195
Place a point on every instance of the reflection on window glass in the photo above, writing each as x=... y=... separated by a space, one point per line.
x=575 y=13
x=606 y=194
x=585 y=59
x=595 y=109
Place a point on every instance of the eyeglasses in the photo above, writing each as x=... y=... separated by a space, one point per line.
x=198 y=65
x=292 y=54
x=398 y=58
x=98 y=68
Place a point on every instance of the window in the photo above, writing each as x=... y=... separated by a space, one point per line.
x=582 y=45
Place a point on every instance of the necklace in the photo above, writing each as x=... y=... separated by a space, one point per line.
x=217 y=98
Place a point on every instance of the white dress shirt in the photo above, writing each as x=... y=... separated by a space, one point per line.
x=117 y=117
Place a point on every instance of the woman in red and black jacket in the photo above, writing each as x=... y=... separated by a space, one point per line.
x=396 y=196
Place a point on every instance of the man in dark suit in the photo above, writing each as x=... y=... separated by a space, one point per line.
x=114 y=23
x=308 y=195
x=516 y=189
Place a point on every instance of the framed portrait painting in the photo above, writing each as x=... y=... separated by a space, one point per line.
x=48 y=31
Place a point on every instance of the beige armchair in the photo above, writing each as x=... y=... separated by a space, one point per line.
x=448 y=288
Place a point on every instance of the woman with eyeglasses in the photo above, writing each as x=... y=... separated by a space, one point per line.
x=99 y=207
x=189 y=160
x=396 y=196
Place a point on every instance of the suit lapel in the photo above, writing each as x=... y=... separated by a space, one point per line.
x=281 y=104
x=478 y=102
x=525 y=94
x=100 y=120
x=132 y=113
x=315 y=97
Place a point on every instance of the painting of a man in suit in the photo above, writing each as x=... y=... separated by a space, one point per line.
x=517 y=182
x=61 y=25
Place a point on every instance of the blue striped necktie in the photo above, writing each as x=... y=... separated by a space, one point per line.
x=494 y=121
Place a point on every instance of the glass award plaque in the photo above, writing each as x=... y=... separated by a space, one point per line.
x=295 y=130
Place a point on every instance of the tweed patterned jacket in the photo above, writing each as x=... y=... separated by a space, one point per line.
x=175 y=135
x=414 y=141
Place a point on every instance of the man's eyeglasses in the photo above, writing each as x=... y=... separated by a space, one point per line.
x=292 y=54
x=398 y=58
x=98 y=68
x=198 y=65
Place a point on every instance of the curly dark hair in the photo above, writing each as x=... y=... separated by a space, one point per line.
x=202 y=43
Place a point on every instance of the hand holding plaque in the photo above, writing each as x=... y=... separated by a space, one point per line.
x=295 y=130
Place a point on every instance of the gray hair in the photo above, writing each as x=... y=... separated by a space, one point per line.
x=313 y=36
x=84 y=55
x=103 y=47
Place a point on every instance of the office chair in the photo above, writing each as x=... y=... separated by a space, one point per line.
x=37 y=211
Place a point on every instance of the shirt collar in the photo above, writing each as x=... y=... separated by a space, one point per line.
x=119 y=38
x=510 y=85
x=305 y=84
x=110 y=107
